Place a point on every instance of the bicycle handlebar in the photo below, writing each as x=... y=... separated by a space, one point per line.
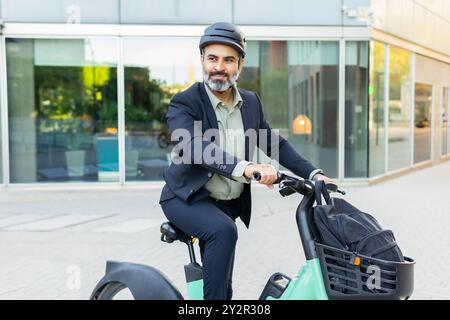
x=299 y=185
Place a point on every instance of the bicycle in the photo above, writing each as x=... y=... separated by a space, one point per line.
x=329 y=273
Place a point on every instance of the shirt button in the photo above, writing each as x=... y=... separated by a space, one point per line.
x=209 y=174
x=191 y=191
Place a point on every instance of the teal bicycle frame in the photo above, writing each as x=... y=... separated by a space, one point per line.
x=308 y=284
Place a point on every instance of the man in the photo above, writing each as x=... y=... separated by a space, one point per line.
x=203 y=197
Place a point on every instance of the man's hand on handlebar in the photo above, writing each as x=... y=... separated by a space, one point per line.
x=267 y=171
x=324 y=178
x=331 y=185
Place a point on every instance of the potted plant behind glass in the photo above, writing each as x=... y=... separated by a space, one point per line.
x=107 y=145
x=75 y=155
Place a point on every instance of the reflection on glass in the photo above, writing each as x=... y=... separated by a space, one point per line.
x=1 y=147
x=422 y=122
x=155 y=70
x=445 y=124
x=376 y=109
x=399 y=106
x=314 y=93
x=356 y=99
x=298 y=85
x=266 y=72
x=62 y=110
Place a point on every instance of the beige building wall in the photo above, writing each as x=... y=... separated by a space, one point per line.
x=423 y=22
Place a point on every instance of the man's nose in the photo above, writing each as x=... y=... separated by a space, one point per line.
x=220 y=66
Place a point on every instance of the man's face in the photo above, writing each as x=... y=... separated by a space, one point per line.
x=221 y=66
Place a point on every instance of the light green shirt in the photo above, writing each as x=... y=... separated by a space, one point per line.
x=231 y=140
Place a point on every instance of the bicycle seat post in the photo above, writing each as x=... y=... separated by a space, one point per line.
x=191 y=251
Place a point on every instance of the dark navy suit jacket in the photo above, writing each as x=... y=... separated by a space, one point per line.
x=192 y=110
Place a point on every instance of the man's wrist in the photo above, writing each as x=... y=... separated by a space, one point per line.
x=313 y=174
x=239 y=171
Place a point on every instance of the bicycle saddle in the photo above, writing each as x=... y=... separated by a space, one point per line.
x=170 y=233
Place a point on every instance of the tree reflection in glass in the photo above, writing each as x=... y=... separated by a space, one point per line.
x=62 y=110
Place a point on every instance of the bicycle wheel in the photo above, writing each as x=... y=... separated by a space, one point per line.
x=114 y=291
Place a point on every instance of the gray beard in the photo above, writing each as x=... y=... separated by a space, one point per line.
x=218 y=85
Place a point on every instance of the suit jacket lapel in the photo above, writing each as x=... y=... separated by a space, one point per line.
x=210 y=114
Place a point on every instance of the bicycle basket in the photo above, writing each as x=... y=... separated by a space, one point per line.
x=350 y=276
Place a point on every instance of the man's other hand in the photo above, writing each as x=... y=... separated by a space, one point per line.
x=324 y=178
x=267 y=171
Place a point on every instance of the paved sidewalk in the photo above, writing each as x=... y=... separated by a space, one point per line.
x=50 y=237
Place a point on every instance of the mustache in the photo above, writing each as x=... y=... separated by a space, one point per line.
x=211 y=74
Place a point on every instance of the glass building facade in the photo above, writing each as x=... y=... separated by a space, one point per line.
x=63 y=105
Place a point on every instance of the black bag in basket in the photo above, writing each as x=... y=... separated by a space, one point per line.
x=343 y=226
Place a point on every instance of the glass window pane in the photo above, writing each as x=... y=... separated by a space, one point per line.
x=448 y=117
x=444 y=123
x=62 y=98
x=422 y=122
x=376 y=109
x=356 y=111
x=266 y=72
x=155 y=70
x=298 y=85
x=399 y=108
x=274 y=82
x=1 y=138
x=314 y=102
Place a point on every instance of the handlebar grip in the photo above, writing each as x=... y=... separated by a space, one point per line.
x=257 y=176
x=332 y=187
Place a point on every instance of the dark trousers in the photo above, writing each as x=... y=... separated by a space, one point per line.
x=213 y=223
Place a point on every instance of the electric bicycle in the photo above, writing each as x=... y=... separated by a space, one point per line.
x=329 y=273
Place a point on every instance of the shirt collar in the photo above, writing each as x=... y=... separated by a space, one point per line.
x=216 y=101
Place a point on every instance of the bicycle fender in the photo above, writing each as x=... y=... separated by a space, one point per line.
x=144 y=282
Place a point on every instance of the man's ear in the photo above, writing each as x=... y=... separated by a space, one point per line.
x=241 y=64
